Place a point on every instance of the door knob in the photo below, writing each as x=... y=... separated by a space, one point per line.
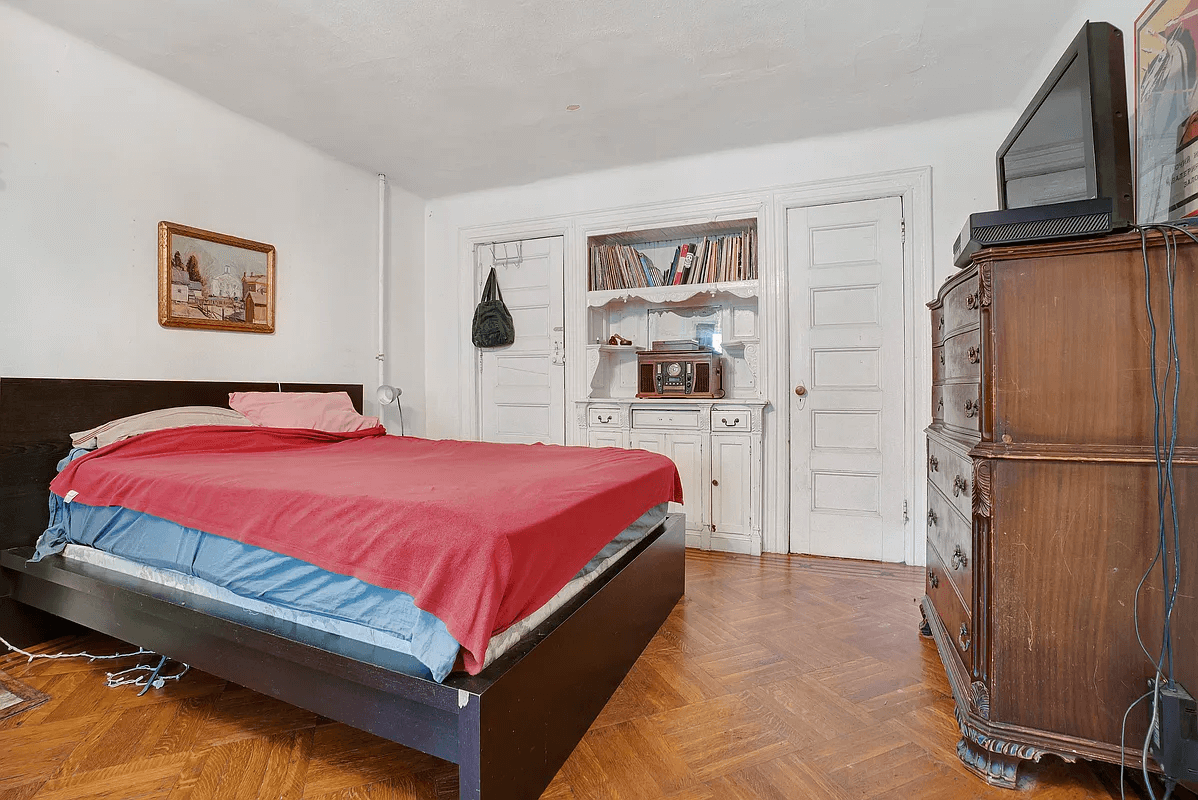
x=801 y=390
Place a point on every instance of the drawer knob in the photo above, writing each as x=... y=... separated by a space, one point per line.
x=714 y=482
x=731 y=424
x=960 y=486
x=602 y=420
x=971 y=408
x=933 y=464
x=933 y=579
x=975 y=354
x=959 y=560
x=932 y=518
x=971 y=301
x=963 y=637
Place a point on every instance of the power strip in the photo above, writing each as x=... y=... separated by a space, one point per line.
x=1175 y=741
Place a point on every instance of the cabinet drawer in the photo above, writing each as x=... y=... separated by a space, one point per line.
x=962 y=406
x=729 y=419
x=952 y=472
x=658 y=418
x=961 y=308
x=953 y=536
x=949 y=607
x=610 y=437
x=962 y=357
x=603 y=417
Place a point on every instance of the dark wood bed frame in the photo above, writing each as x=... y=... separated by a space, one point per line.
x=509 y=729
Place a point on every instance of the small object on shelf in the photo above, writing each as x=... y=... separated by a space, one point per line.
x=698 y=373
x=617 y=339
x=677 y=345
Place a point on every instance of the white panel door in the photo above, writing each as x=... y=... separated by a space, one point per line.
x=845 y=269
x=522 y=386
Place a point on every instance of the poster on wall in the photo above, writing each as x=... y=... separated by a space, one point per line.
x=1166 y=65
x=212 y=280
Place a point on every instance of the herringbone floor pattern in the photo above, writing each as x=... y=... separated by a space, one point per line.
x=779 y=678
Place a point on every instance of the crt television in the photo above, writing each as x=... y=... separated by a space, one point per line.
x=1072 y=141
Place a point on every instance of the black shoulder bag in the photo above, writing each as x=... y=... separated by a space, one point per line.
x=492 y=322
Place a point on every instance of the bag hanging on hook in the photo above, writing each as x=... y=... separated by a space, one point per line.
x=492 y=322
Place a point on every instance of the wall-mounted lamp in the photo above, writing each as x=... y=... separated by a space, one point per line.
x=386 y=396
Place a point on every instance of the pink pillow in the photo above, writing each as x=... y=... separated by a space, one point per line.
x=322 y=411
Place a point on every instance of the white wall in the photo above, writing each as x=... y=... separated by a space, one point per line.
x=960 y=151
x=94 y=152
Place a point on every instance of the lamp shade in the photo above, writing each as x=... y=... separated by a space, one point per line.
x=388 y=394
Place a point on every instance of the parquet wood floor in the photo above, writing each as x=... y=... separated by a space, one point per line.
x=778 y=678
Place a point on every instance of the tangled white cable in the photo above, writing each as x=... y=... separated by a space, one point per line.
x=125 y=677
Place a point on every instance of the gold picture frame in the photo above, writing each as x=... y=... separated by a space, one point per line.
x=214 y=281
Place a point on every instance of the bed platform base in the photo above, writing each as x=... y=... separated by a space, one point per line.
x=509 y=729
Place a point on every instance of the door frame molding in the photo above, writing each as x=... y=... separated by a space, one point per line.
x=914 y=187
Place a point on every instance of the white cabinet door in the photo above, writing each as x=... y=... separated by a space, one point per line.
x=686 y=451
x=732 y=488
x=845 y=266
x=600 y=437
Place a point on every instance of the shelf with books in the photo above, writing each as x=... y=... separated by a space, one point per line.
x=684 y=255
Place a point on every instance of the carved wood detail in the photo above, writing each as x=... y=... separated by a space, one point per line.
x=984 y=283
x=982 y=504
x=981 y=698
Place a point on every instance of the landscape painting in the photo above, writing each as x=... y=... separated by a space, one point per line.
x=212 y=280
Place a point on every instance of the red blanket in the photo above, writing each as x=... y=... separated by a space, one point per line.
x=480 y=534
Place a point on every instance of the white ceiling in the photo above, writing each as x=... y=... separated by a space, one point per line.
x=447 y=96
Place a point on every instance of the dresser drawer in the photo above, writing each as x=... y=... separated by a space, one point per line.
x=950 y=608
x=963 y=357
x=729 y=419
x=603 y=417
x=951 y=471
x=661 y=418
x=937 y=365
x=953 y=536
x=962 y=406
x=961 y=308
x=937 y=326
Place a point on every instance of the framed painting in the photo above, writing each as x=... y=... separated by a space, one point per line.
x=215 y=281
x=1166 y=68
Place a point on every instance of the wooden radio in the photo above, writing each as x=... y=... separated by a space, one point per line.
x=675 y=373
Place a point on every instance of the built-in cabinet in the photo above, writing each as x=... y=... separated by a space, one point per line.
x=717 y=444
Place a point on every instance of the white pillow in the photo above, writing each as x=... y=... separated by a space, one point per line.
x=163 y=418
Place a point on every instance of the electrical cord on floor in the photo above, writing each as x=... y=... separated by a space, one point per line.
x=113 y=680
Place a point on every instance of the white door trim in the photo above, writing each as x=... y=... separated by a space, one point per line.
x=914 y=186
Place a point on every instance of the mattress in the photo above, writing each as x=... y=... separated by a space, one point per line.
x=266 y=582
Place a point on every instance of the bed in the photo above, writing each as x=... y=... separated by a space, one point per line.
x=509 y=728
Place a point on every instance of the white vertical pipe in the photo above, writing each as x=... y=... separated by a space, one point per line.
x=382 y=279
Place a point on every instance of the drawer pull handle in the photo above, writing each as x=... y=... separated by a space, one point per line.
x=960 y=486
x=933 y=464
x=963 y=638
x=959 y=560
x=932 y=518
x=940 y=406
x=971 y=301
x=974 y=354
x=714 y=482
x=602 y=420
x=942 y=358
x=971 y=408
x=933 y=579
x=731 y=424
x=940 y=322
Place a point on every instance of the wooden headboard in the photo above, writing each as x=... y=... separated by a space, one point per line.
x=38 y=415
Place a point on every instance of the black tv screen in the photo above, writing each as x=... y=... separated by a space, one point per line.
x=1072 y=143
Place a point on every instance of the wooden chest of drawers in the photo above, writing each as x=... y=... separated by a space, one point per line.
x=1042 y=504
